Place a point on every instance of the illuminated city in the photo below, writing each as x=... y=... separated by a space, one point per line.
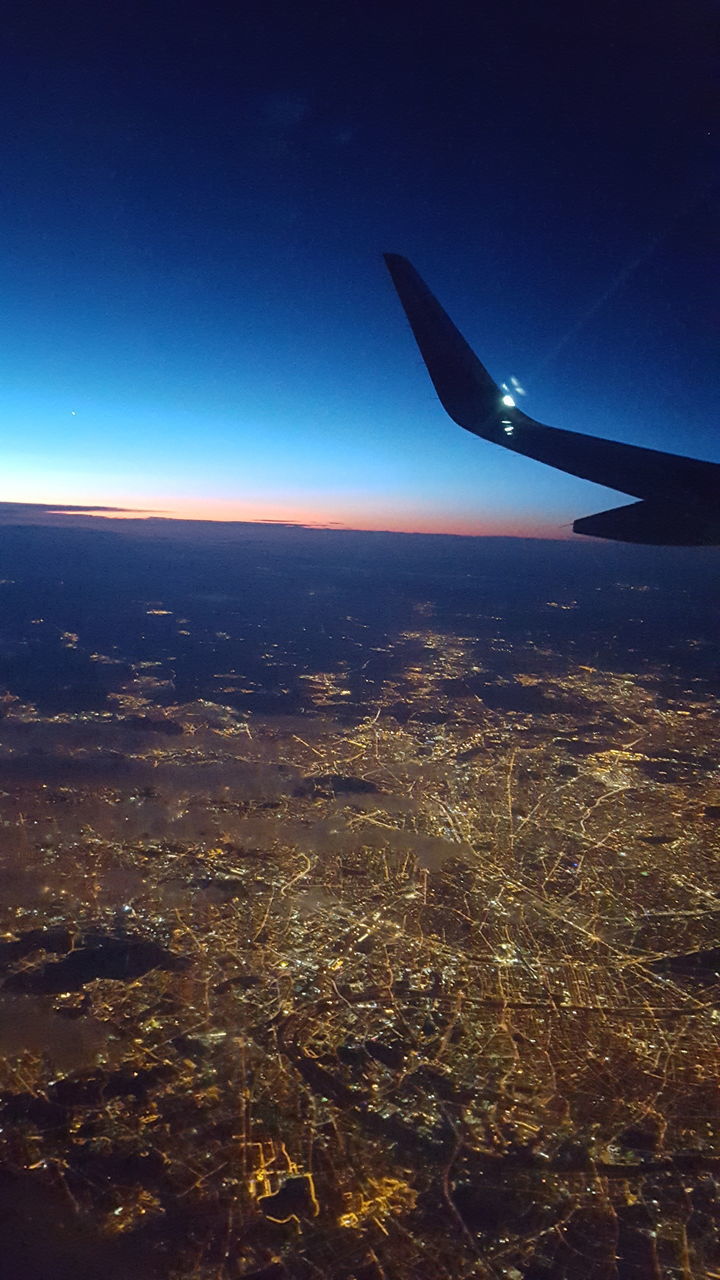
x=384 y=947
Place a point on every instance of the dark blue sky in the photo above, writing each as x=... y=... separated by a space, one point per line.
x=194 y=203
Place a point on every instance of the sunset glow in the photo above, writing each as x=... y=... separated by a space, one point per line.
x=200 y=324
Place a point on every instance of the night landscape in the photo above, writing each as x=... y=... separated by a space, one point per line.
x=358 y=904
x=359 y=824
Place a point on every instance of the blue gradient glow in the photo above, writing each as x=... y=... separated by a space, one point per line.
x=198 y=320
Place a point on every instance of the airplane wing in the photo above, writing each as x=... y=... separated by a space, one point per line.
x=680 y=497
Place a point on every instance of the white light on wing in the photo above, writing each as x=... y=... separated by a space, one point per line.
x=509 y=402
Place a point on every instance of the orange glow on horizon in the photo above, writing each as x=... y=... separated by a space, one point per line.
x=376 y=512
x=369 y=519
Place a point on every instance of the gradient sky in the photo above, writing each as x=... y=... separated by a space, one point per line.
x=194 y=202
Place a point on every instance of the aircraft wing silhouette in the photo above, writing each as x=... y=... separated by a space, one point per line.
x=679 y=497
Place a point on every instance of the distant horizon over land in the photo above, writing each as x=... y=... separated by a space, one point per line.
x=135 y=521
x=67 y=514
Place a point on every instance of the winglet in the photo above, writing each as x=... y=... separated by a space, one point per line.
x=659 y=523
x=679 y=495
x=463 y=384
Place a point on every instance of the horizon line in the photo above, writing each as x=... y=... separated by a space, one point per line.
x=64 y=514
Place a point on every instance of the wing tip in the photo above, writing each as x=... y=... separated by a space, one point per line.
x=464 y=387
x=396 y=262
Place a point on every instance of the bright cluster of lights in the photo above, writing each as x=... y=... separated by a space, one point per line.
x=508 y=401
x=509 y=393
